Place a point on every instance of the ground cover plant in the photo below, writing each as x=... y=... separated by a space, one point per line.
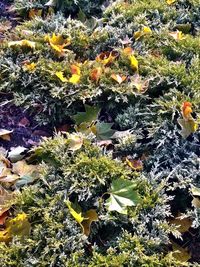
x=100 y=140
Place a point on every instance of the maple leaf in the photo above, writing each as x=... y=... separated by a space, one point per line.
x=106 y=58
x=5 y=134
x=7 y=199
x=58 y=43
x=123 y=193
x=103 y=130
x=84 y=219
x=90 y=115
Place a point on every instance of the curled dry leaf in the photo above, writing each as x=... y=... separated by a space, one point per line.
x=23 y=43
x=118 y=78
x=5 y=134
x=96 y=74
x=135 y=164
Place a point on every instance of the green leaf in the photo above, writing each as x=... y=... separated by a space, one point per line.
x=195 y=191
x=123 y=194
x=90 y=115
x=104 y=131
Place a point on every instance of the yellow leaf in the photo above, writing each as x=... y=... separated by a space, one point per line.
x=145 y=31
x=30 y=66
x=19 y=226
x=60 y=75
x=118 y=78
x=22 y=43
x=187 y=127
x=134 y=62
x=5 y=134
x=170 y=2
x=75 y=79
x=106 y=58
x=128 y=51
x=58 y=43
x=76 y=214
x=34 y=13
x=84 y=221
x=135 y=164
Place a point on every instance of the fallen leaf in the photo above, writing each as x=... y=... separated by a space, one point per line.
x=135 y=164
x=60 y=75
x=96 y=74
x=58 y=43
x=183 y=224
x=134 y=62
x=144 y=32
x=128 y=51
x=75 y=69
x=123 y=193
x=118 y=78
x=188 y=127
x=6 y=200
x=5 y=134
x=196 y=202
x=28 y=173
x=85 y=220
x=177 y=35
x=30 y=67
x=90 y=115
x=3 y=217
x=186 y=110
x=75 y=141
x=17 y=153
x=74 y=79
x=22 y=43
x=106 y=58
x=170 y=2
x=89 y=217
x=24 y=122
x=180 y=253
x=33 y=12
x=103 y=130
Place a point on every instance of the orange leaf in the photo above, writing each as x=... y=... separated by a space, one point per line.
x=3 y=217
x=118 y=78
x=187 y=110
x=106 y=58
x=96 y=74
x=75 y=69
x=128 y=51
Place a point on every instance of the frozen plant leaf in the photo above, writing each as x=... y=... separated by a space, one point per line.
x=180 y=253
x=60 y=75
x=118 y=78
x=90 y=115
x=75 y=79
x=134 y=62
x=5 y=134
x=123 y=193
x=188 y=127
x=103 y=130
